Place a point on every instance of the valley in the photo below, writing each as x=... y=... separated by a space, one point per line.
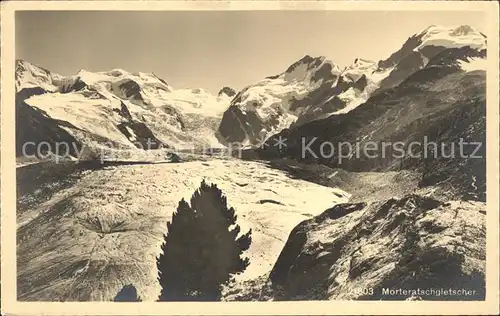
x=91 y=219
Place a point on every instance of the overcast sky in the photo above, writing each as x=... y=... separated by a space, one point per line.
x=211 y=49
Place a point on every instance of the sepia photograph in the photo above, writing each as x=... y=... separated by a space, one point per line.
x=240 y=154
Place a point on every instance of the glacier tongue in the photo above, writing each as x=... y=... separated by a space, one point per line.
x=143 y=198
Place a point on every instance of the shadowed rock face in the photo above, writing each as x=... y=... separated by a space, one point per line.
x=23 y=72
x=125 y=112
x=95 y=107
x=320 y=101
x=417 y=224
x=413 y=61
x=408 y=65
x=407 y=49
x=77 y=85
x=131 y=90
x=139 y=134
x=431 y=238
x=34 y=127
x=415 y=242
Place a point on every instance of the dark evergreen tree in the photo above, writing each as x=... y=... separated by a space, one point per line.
x=202 y=250
x=127 y=294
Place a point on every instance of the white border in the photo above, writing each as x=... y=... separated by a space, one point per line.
x=8 y=189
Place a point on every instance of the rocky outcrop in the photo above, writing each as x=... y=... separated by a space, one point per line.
x=128 y=89
x=360 y=251
x=238 y=127
x=140 y=135
x=228 y=91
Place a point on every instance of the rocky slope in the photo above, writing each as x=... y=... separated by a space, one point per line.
x=113 y=109
x=315 y=88
x=444 y=103
x=420 y=48
x=358 y=251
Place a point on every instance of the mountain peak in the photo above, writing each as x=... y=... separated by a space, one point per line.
x=308 y=59
x=463 y=30
x=312 y=64
x=230 y=92
x=20 y=61
x=30 y=75
x=454 y=31
x=29 y=65
x=451 y=37
x=116 y=72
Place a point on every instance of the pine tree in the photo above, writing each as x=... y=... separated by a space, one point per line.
x=201 y=250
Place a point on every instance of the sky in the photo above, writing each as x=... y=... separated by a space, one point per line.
x=212 y=49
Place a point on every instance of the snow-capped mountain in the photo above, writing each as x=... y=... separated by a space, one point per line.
x=116 y=108
x=443 y=103
x=441 y=36
x=314 y=88
x=126 y=108
x=420 y=48
x=276 y=102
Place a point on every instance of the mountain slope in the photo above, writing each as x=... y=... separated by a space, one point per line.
x=305 y=90
x=315 y=88
x=441 y=103
x=359 y=251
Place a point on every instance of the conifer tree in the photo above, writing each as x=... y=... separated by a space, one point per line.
x=202 y=249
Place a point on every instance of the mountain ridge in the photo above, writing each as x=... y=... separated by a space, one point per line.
x=92 y=105
x=315 y=87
